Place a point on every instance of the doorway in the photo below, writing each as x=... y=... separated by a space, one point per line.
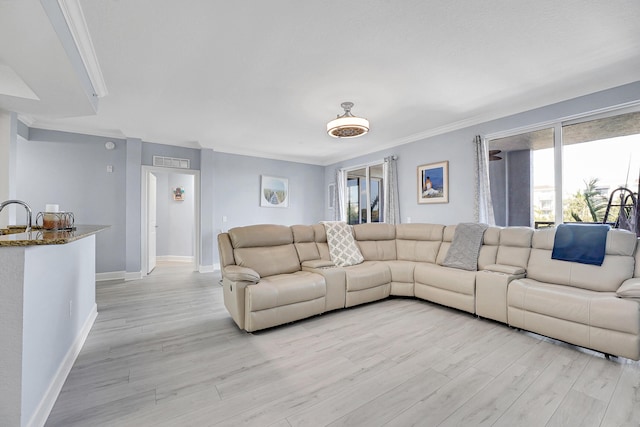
x=170 y=218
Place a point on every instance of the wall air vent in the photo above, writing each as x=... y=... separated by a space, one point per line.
x=171 y=162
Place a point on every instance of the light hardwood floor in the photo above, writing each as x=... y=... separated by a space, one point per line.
x=164 y=352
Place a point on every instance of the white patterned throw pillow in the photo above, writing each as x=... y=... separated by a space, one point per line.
x=342 y=246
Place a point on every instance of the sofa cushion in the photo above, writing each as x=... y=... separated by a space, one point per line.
x=303 y=233
x=376 y=241
x=260 y=235
x=374 y=231
x=489 y=249
x=304 y=240
x=342 y=246
x=465 y=247
x=369 y=274
x=515 y=246
x=450 y=279
x=285 y=289
x=617 y=266
x=401 y=271
x=607 y=277
x=418 y=242
x=581 y=306
x=225 y=250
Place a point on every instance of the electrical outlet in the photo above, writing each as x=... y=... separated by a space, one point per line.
x=408 y=220
x=70 y=308
x=110 y=168
x=224 y=218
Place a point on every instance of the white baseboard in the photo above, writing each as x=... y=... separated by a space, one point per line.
x=110 y=275
x=118 y=275
x=132 y=275
x=174 y=258
x=39 y=418
x=208 y=268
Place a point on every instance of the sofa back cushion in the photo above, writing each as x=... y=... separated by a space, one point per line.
x=225 y=250
x=515 y=246
x=418 y=242
x=618 y=264
x=267 y=249
x=320 y=236
x=377 y=241
x=304 y=241
x=489 y=249
x=447 y=238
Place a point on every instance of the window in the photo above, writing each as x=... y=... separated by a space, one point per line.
x=364 y=195
x=598 y=157
x=521 y=172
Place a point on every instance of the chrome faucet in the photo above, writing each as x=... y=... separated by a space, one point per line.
x=26 y=207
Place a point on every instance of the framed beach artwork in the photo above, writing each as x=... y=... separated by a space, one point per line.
x=274 y=192
x=433 y=183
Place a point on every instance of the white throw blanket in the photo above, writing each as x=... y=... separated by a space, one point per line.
x=342 y=246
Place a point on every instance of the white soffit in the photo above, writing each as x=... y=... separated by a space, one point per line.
x=72 y=12
x=12 y=85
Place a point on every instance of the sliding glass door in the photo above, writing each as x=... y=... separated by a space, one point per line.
x=364 y=195
x=567 y=172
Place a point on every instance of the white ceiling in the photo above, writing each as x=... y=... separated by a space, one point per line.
x=263 y=77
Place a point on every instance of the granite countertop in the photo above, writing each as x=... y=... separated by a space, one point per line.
x=50 y=237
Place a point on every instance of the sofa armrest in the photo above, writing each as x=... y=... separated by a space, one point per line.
x=505 y=269
x=630 y=288
x=317 y=263
x=236 y=273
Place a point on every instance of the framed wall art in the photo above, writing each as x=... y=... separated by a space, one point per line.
x=178 y=193
x=274 y=192
x=433 y=183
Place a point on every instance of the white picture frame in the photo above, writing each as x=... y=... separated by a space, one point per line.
x=274 y=192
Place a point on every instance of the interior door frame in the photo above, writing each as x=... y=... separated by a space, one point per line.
x=144 y=250
x=152 y=183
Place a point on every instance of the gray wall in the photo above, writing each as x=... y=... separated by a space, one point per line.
x=457 y=148
x=237 y=191
x=71 y=170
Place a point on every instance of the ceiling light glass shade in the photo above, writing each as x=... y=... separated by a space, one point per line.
x=347 y=125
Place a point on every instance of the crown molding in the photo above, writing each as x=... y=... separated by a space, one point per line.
x=73 y=129
x=74 y=16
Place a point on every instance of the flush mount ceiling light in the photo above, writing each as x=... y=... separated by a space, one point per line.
x=347 y=125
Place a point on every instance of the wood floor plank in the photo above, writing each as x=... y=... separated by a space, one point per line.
x=537 y=404
x=164 y=352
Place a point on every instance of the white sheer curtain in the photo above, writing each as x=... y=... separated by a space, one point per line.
x=483 y=204
x=391 y=214
x=339 y=212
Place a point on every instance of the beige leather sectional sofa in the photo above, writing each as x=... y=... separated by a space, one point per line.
x=274 y=274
